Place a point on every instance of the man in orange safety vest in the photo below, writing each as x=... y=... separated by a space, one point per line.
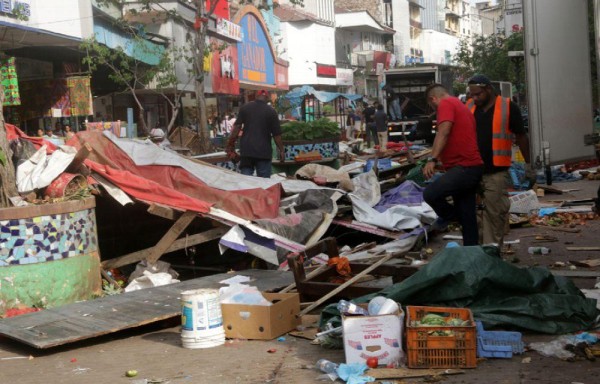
x=499 y=122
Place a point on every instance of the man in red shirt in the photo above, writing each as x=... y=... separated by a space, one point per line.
x=455 y=146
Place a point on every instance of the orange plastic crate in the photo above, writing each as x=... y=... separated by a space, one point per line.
x=427 y=350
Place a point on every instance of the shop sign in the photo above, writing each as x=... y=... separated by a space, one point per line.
x=228 y=29
x=326 y=70
x=224 y=70
x=281 y=73
x=344 y=77
x=14 y=7
x=255 y=58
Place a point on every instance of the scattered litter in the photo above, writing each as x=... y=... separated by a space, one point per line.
x=79 y=370
x=272 y=350
x=526 y=360
x=149 y=280
x=554 y=348
x=73 y=360
x=538 y=250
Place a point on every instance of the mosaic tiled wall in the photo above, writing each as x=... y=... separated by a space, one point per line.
x=327 y=150
x=47 y=238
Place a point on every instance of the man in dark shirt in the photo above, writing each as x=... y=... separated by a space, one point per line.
x=256 y=123
x=370 y=129
x=497 y=119
x=381 y=119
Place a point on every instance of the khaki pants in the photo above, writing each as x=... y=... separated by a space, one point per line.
x=383 y=139
x=494 y=217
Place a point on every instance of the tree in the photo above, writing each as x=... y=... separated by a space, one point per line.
x=197 y=44
x=488 y=55
x=128 y=71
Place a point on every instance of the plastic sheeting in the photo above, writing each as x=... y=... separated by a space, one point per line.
x=397 y=217
x=498 y=293
x=41 y=169
x=332 y=175
x=408 y=193
x=296 y=95
x=172 y=185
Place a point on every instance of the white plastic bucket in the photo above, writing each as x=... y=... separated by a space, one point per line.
x=201 y=319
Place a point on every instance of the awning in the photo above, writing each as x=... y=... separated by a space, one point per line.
x=296 y=95
x=16 y=36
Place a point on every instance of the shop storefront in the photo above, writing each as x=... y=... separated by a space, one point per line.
x=259 y=67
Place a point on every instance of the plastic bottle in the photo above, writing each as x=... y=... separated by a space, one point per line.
x=327 y=366
x=344 y=306
x=538 y=250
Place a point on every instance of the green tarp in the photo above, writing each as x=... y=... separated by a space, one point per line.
x=498 y=293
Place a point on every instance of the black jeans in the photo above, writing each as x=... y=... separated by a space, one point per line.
x=461 y=183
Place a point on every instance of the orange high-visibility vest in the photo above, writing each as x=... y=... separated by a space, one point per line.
x=501 y=134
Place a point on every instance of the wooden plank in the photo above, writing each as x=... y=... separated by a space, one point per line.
x=583 y=248
x=405 y=373
x=163 y=211
x=79 y=158
x=47 y=209
x=182 y=243
x=84 y=320
x=172 y=234
x=586 y=263
x=576 y=274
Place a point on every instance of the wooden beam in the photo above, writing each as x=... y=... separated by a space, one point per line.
x=79 y=158
x=185 y=242
x=345 y=285
x=583 y=248
x=163 y=211
x=172 y=234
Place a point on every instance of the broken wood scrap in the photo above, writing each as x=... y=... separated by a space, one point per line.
x=404 y=373
x=583 y=248
x=586 y=263
x=76 y=165
x=343 y=286
x=558 y=229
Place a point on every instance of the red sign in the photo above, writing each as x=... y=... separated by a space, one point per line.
x=326 y=70
x=224 y=69
x=221 y=9
x=281 y=77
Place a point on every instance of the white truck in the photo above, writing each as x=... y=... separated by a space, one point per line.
x=410 y=84
x=559 y=92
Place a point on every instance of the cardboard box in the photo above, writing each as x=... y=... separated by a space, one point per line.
x=260 y=322
x=373 y=336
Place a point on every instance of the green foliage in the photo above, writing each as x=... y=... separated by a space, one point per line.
x=489 y=55
x=314 y=130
